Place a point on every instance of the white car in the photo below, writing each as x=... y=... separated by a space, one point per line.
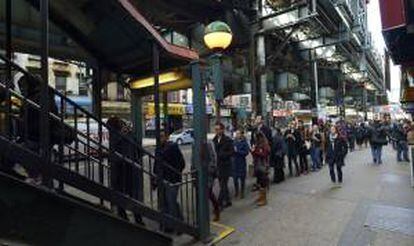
x=184 y=136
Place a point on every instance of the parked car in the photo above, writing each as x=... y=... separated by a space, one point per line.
x=183 y=136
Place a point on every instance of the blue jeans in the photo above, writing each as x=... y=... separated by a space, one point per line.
x=172 y=207
x=316 y=157
x=402 y=149
x=376 y=151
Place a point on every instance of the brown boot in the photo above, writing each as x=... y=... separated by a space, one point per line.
x=262 y=198
x=216 y=215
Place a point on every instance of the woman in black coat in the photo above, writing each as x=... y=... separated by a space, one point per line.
x=336 y=151
x=124 y=176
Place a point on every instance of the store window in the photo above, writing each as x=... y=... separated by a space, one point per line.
x=83 y=85
x=120 y=92
x=61 y=82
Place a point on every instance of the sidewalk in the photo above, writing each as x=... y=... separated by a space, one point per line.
x=375 y=206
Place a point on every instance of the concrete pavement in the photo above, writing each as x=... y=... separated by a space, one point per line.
x=375 y=206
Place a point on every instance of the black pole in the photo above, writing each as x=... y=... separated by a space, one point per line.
x=44 y=126
x=8 y=65
x=156 y=72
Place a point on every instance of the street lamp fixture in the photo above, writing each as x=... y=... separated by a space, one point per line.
x=217 y=37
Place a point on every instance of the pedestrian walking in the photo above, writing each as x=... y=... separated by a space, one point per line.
x=400 y=137
x=350 y=130
x=377 y=138
x=261 y=153
x=169 y=166
x=241 y=150
x=360 y=134
x=336 y=151
x=279 y=150
x=224 y=150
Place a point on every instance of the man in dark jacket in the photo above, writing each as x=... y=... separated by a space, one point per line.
x=292 y=138
x=224 y=151
x=400 y=137
x=378 y=138
x=278 y=152
x=169 y=166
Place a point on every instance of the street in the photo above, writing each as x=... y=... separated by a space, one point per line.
x=375 y=206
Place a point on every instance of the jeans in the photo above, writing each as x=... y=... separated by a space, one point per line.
x=303 y=161
x=376 y=151
x=172 y=207
x=239 y=184
x=224 y=196
x=316 y=157
x=295 y=160
x=213 y=199
x=332 y=172
x=402 y=149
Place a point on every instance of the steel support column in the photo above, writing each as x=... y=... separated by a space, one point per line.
x=97 y=92
x=9 y=83
x=44 y=102
x=200 y=119
x=165 y=111
x=156 y=73
x=365 y=102
x=261 y=62
x=315 y=85
x=137 y=122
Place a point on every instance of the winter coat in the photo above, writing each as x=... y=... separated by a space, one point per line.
x=224 y=150
x=378 y=134
x=336 y=151
x=279 y=147
x=261 y=155
x=360 y=133
x=241 y=150
x=293 y=144
x=170 y=162
x=125 y=175
x=400 y=134
x=263 y=129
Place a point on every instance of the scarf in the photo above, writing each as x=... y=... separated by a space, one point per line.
x=333 y=137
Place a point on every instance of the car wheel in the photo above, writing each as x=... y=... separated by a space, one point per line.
x=179 y=141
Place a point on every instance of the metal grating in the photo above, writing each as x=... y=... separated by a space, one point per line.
x=391 y=218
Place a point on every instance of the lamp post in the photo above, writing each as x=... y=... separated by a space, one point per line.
x=217 y=37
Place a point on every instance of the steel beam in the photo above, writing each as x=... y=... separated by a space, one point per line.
x=138 y=129
x=9 y=54
x=156 y=74
x=44 y=118
x=200 y=120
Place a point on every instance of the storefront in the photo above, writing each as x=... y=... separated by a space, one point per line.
x=171 y=121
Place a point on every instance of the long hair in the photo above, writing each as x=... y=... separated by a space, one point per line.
x=262 y=141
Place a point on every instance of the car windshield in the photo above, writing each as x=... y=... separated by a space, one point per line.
x=177 y=132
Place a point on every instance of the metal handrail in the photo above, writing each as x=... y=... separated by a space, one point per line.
x=95 y=169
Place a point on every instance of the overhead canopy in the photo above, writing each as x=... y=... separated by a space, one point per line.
x=397 y=24
x=110 y=32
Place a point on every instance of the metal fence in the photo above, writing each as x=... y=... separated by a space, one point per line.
x=81 y=162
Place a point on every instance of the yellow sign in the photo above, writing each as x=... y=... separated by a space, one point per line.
x=173 y=109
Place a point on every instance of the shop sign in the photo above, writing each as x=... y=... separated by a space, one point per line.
x=173 y=109
x=189 y=109
x=281 y=113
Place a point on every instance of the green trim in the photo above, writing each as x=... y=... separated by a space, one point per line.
x=217 y=26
